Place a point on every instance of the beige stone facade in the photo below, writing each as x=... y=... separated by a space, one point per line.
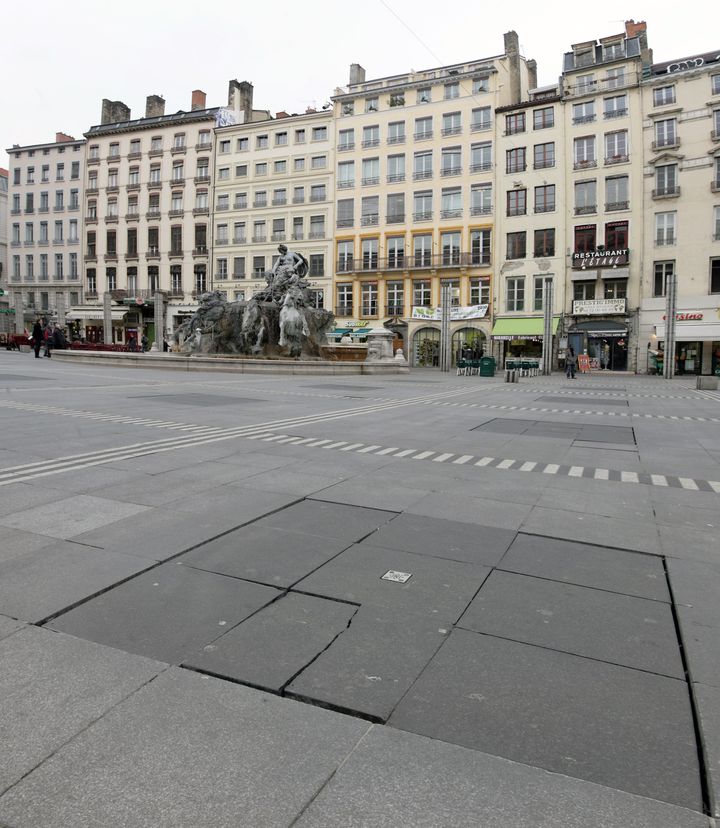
x=273 y=185
x=45 y=192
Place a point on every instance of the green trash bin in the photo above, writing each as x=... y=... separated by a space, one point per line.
x=487 y=366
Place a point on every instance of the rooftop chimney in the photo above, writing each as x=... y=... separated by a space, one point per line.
x=512 y=50
x=240 y=98
x=532 y=74
x=357 y=74
x=282 y=114
x=198 y=100
x=154 y=106
x=114 y=112
x=62 y=137
x=633 y=29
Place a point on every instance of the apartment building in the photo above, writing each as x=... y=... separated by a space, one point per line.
x=414 y=198
x=45 y=198
x=681 y=132
x=273 y=185
x=5 y=320
x=530 y=180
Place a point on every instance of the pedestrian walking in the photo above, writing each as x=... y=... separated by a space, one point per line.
x=37 y=337
x=48 y=339
x=570 y=363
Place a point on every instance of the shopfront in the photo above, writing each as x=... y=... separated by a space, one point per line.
x=600 y=330
x=468 y=330
x=521 y=337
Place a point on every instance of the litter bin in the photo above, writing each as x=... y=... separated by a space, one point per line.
x=487 y=366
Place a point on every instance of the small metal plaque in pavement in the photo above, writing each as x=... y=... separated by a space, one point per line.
x=399 y=577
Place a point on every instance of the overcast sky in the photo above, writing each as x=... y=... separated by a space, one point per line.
x=61 y=59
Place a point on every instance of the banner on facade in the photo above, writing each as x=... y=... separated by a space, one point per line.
x=598 y=307
x=457 y=313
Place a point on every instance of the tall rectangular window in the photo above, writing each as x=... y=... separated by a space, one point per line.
x=661 y=270
x=665 y=228
x=545 y=198
x=515 y=294
x=617 y=193
x=480 y=247
x=516 y=245
x=544 y=243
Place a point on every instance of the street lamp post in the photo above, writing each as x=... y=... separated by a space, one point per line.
x=670 y=313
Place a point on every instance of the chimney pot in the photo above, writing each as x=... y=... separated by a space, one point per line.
x=198 y=100
x=62 y=137
x=154 y=106
x=357 y=74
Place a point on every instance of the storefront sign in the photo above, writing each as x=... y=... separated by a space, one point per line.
x=686 y=317
x=601 y=258
x=598 y=307
x=457 y=313
x=353 y=323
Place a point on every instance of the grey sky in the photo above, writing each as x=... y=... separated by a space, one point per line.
x=61 y=59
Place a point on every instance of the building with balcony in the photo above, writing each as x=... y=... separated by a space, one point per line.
x=148 y=204
x=273 y=185
x=414 y=204
x=681 y=133
x=604 y=185
x=45 y=200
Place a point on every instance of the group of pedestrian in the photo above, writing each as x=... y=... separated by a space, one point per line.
x=46 y=336
x=132 y=343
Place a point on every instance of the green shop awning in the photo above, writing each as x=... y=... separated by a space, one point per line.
x=356 y=331
x=522 y=327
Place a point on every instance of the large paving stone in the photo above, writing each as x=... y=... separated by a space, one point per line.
x=618 y=727
x=620 y=629
x=436 y=586
x=592 y=566
x=439 y=538
x=370 y=667
x=329 y=520
x=403 y=780
x=71 y=516
x=187 y=750
x=271 y=647
x=167 y=613
x=262 y=553
x=481 y=509
x=40 y=584
x=53 y=686
x=707 y=700
x=9 y=625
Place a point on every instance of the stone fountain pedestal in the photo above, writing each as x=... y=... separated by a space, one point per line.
x=380 y=351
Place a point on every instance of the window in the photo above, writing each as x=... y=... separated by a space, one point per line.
x=317 y=227
x=279 y=196
x=29 y=203
x=452 y=124
x=480 y=85
x=714 y=275
x=73 y=230
x=615 y=288
x=615 y=78
x=200 y=279
x=261 y=142
x=371 y=136
x=241 y=170
x=317 y=264
x=585 y=238
x=452 y=90
x=44 y=202
x=319 y=133
x=45 y=174
x=582 y=291
x=369 y=251
x=60 y=171
x=422 y=254
x=156 y=144
x=239 y=236
x=344 y=256
x=515 y=123
x=176 y=245
x=29 y=268
x=545 y=198
x=544 y=118
x=584 y=152
x=178 y=171
x=422 y=205
x=16 y=268
x=345 y=212
x=516 y=245
x=615 y=107
x=59 y=266
x=259 y=231
x=298 y=164
x=395 y=247
x=75 y=169
x=665 y=228
x=421 y=292
x=348 y=108
x=371 y=104
x=422 y=165
x=396 y=132
x=281 y=139
x=112 y=208
x=395 y=298
x=481 y=119
x=481 y=199
x=44 y=272
x=299 y=136
x=424 y=95
x=451 y=203
x=201 y=238
x=278 y=229
x=479 y=291
x=132 y=246
x=715 y=84
x=544 y=243
x=59 y=199
x=585 y=84
x=344 y=300
x=666 y=133
x=16 y=234
x=318 y=162
x=666 y=180
x=451 y=161
x=346 y=139
x=585 y=197
x=243 y=144
x=663 y=95
x=515 y=294
x=480 y=248
x=111 y=242
x=515 y=160
x=716 y=124
x=396 y=168
x=298 y=195
x=238 y=267
x=29 y=232
x=43 y=231
x=538 y=293
x=423 y=128
x=261 y=168
x=370 y=171
x=481 y=157
x=395 y=208
x=617 y=193
x=661 y=271
x=616 y=147
x=517 y=202
x=544 y=156
x=370 y=210
x=584 y=112
x=223 y=202
x=346 y=174
x=280 y=167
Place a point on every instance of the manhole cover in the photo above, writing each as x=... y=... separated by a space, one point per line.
x=398 y=577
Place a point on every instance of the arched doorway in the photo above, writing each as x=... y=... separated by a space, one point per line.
x=426 y=347
x=471 y=339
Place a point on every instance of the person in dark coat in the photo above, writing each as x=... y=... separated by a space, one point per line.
x=37 y=338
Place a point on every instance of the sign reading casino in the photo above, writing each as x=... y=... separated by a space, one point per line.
x=601 y=258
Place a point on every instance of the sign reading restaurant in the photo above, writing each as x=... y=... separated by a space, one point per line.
x=595 y=307
x=601 y=258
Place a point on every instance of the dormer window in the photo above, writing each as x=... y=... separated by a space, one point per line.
x=613 y=51
x=584 y=57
